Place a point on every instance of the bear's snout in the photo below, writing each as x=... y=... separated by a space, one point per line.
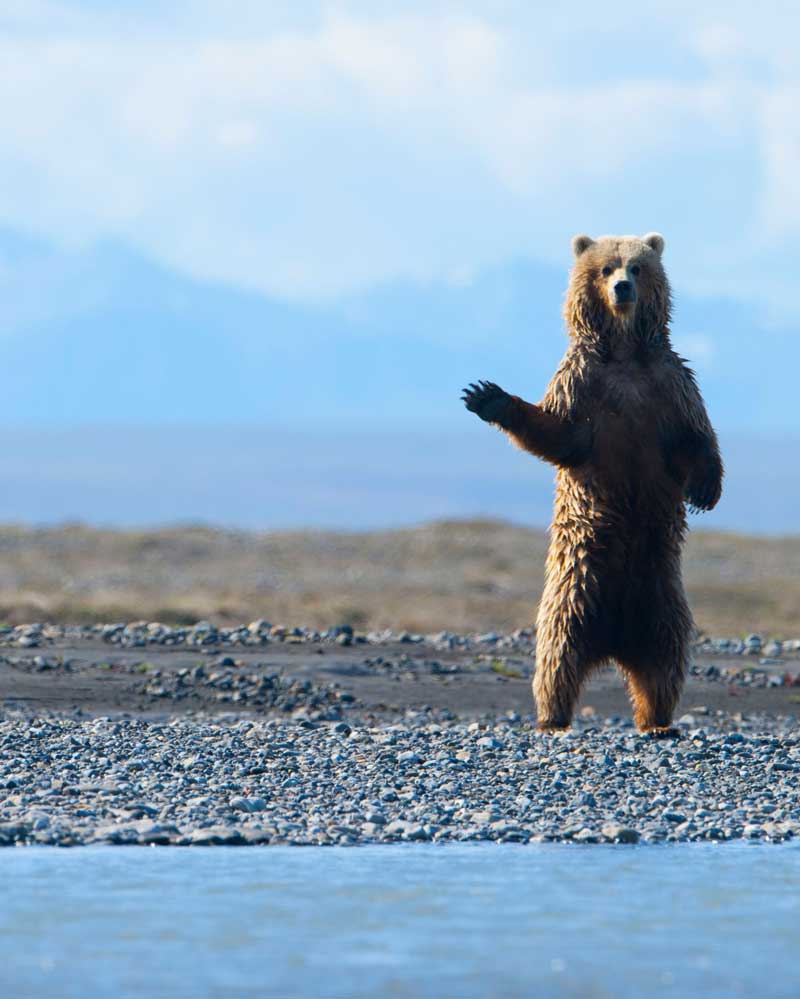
x=624 y=292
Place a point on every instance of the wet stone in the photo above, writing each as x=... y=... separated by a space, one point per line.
x=207 y=780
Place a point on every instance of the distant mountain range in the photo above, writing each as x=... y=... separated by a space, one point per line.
x=133 y=395
x=271 y=477
x=104 y=335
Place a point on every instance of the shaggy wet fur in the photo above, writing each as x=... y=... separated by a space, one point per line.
x=625 y=425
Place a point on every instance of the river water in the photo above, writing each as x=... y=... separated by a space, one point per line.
x=401 y=921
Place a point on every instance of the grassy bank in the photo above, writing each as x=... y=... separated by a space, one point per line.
x=467 y=575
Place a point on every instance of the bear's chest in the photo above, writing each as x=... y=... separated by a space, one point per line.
x=629 y=420
x=630 y=391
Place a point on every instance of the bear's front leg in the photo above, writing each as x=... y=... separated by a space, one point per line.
x=532 y=428
x=704 y=485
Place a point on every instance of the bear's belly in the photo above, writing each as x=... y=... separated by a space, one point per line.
x=629 y=459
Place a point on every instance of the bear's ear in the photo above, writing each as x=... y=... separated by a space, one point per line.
x=655 y=241
x=580 y=244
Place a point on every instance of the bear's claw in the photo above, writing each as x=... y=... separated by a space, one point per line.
x=663 y=732
x=488 y=401
x=703 y=492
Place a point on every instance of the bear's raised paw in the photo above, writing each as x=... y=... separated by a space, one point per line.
x=488 y=401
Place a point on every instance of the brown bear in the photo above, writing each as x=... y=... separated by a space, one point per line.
x=625 y=425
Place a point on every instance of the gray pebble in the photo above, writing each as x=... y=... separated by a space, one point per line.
x=210 y=780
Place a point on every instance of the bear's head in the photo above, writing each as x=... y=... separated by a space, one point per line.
x=618 y=289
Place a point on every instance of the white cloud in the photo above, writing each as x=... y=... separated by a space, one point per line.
x=781 y=143
x=238 y=134
x=311 y=149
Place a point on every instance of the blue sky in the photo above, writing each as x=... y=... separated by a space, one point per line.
x=305 y=214
x=310 y=150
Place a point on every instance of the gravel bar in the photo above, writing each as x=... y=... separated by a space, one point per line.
x=231 y=780
x=259 y=633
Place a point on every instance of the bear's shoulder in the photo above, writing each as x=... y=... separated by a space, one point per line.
x=570 y=388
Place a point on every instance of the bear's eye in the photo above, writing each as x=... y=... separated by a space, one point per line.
x=635 y=269
x=606 y=271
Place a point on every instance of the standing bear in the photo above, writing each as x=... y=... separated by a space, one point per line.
x=625 y=425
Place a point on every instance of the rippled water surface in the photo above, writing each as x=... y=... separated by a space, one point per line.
x=420 y=920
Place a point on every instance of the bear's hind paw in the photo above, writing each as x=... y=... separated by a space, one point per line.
x=662 y=732
x=551 y=728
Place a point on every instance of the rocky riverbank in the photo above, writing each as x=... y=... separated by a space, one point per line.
x=205 y=635
x=141 y=733
x=260 y=669
x=228 y=780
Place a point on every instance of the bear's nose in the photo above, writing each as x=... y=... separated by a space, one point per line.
x=623 y=290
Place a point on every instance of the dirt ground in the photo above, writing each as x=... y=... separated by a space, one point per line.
x=98 y=679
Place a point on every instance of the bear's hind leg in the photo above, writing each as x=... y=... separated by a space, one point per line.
x=655 y=688
x=556 y=687
x=569 y=640
x=655 y=652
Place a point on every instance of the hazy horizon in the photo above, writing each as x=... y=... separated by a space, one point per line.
x=269 y=478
